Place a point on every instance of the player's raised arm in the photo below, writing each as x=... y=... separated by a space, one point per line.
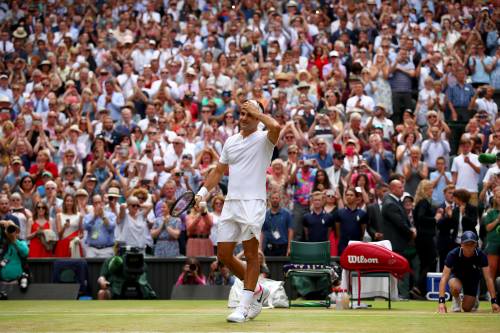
x=257 y=111
x=213 y=179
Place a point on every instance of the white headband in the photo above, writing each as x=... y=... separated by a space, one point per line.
x=256 y=104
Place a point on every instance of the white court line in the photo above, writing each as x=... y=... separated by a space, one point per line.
x=190 y=314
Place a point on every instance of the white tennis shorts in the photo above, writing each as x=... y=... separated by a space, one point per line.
x=241 y=220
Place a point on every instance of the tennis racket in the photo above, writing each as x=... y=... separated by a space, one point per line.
x=185 y=202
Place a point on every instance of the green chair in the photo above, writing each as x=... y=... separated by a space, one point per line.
x=310 y=272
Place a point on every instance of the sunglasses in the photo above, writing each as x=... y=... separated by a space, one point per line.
x=135 y=206
x=41 y=207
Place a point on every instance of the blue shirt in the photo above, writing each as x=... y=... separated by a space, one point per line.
x=99 y=235
x=11 y=178
x=466 y=267
x=350 y=225
x=480 y=75
x=277 y=225
x=437 y=193
x=317 y=226
x=323 y=163
x=460 y=96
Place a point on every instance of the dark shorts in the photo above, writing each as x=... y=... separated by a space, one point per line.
x=470 y=284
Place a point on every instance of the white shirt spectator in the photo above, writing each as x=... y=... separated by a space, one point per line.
x=6 y=47
x=127 y=83
x=171 y=85
x=365 y=101
x=432 y=149
x=489 y=106
x=135 y=231
x=151 y=16
x=467 y=178
x=492 y=171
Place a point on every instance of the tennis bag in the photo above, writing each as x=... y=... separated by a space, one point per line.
x=368 y=257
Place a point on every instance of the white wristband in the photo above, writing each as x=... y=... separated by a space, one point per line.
x=202 y=192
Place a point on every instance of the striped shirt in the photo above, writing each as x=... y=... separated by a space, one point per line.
x=460 y=95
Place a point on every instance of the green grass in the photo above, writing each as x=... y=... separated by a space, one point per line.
x=209 y=316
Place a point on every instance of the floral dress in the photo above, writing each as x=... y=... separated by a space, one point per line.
x=383 y=93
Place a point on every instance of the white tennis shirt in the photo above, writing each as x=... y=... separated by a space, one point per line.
x=248 y=159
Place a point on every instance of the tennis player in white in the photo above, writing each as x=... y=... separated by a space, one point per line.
x=246 y=156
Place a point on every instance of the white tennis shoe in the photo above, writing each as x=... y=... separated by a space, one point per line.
x=456 y=304
x=258 y=300
x=239 y=315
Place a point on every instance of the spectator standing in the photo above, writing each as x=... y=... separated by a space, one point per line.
x=396 y=227
x=69 y=227
x=317 y=223
x=303 y=179
x=456 y=219
x=425 y=217
x=465 y=170
x=440 y=179
x=100 y=227
x=434 y=147
x=402 y=71
x=132 y=222
x=491 y=223
x=277 y=231
x=166 y=231
x=379 y=159
x=198 y=225
x=36 y=235
x=350 y=221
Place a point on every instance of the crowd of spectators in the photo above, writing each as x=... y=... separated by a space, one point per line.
x=109 y=110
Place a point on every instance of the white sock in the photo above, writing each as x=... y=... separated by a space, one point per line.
x=246 y=298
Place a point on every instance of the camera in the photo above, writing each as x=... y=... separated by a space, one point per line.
x=481 y=93
x=11 y=229
x=192 y=268
x=133 y=261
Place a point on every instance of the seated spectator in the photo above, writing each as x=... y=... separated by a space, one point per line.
x=191 y=274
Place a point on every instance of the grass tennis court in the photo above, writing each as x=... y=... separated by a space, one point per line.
x=209 y=316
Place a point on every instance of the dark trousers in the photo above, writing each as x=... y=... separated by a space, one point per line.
x=400 y=102
x=183 y=242
x=275 y=249
x=426 y=251
x=298 y=215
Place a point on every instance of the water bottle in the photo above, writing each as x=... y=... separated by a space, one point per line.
x=345 y=300
x=338 y=300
